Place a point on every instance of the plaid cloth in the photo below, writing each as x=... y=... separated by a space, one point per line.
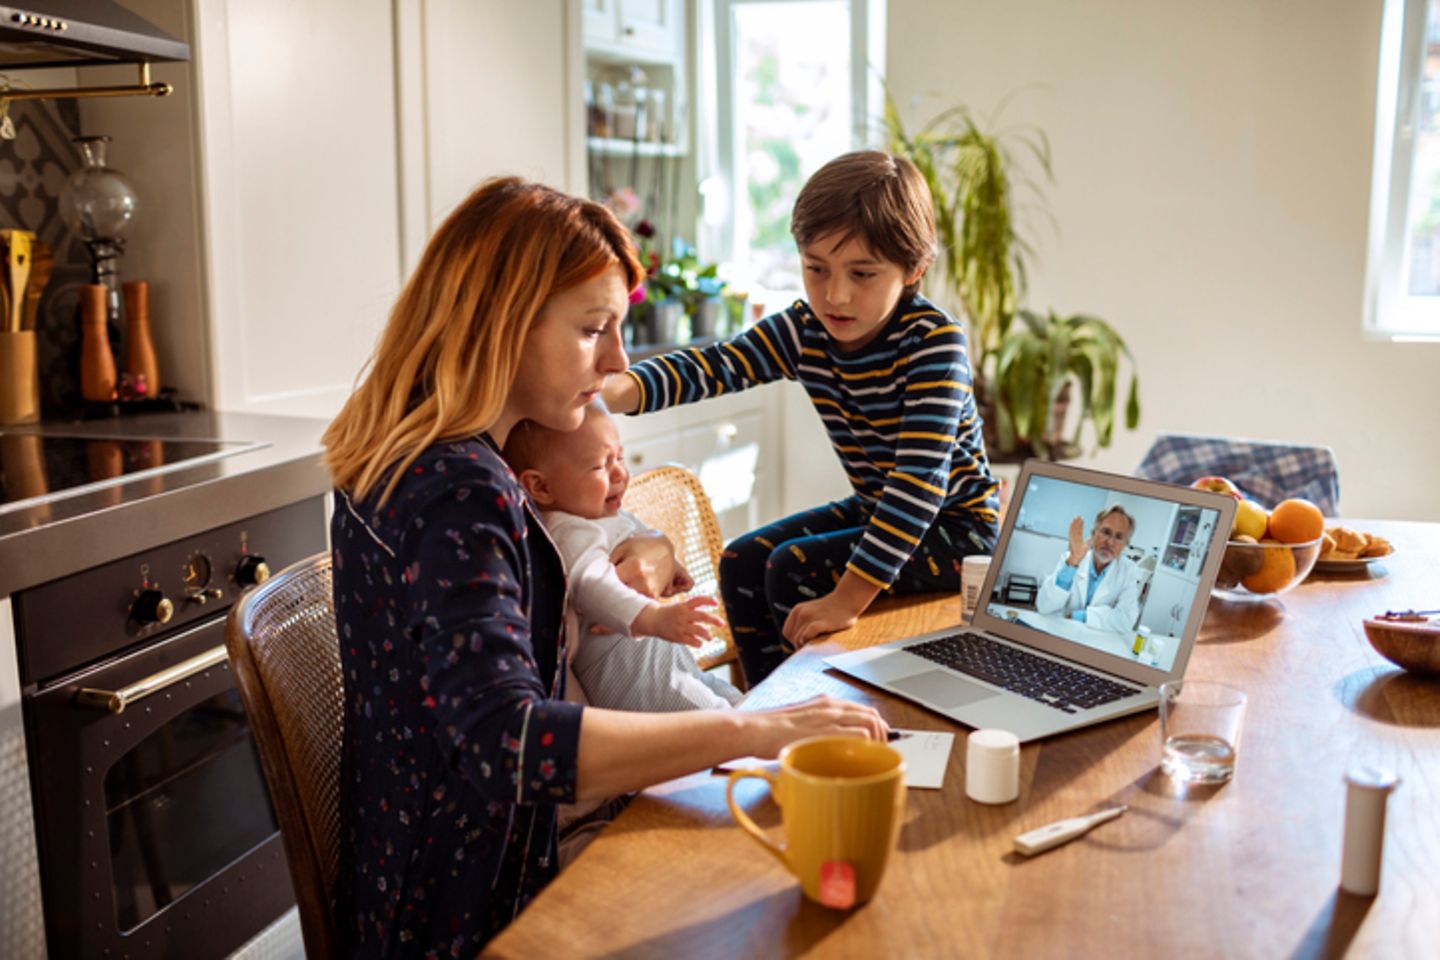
x=1265 y=471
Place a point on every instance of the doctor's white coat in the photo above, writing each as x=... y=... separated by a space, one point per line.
x=1116 y=605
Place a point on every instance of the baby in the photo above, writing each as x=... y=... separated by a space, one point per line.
x=579 y=479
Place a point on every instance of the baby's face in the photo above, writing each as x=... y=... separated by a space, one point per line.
x=586 y=471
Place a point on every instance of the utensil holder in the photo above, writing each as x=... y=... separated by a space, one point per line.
x=19 y=378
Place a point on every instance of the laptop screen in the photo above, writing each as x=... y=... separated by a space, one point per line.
x=1114 y=571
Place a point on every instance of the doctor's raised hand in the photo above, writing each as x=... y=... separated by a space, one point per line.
x=1078 y=543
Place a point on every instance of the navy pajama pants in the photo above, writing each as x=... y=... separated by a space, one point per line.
x=765 y=573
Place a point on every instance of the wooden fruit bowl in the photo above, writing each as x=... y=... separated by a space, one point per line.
x=1412 y=644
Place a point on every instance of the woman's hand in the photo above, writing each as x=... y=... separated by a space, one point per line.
x=646 y=564
x=771 y=730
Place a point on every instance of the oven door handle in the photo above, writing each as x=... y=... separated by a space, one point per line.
x=117 y=700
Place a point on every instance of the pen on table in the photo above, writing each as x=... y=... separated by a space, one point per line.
x=894 y=735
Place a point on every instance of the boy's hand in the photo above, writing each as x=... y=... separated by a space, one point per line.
x=816 y=618
x=684 y=621
x=836 y=611
x=620 y=394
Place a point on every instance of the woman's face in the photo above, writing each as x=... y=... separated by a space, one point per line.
x=573 y=346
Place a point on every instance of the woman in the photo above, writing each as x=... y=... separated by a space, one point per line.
x=449 y=598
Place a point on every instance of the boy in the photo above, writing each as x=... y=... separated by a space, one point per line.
x=579 y=480
x=889 y=375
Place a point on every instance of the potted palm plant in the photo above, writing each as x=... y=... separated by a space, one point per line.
x=1038 y=366
x=974 y=177
x=1026 y=367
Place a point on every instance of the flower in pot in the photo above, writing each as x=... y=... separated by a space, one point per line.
x=1040 y=363
x=695 y=286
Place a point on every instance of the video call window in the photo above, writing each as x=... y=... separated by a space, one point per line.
x=1134 y=585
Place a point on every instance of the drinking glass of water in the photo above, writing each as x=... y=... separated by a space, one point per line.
x=1200 y=729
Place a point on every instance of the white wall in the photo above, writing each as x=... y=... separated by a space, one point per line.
x=1212 y=165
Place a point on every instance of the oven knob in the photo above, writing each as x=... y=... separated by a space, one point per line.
x=251 y=570
x=151 y=606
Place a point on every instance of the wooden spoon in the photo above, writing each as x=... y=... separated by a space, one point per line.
x=17 y=261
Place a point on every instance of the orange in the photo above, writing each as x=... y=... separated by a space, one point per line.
x=1296 y=521
x=1277 y=568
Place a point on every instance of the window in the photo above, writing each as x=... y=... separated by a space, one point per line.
x=1402 y=279
x=793 y=84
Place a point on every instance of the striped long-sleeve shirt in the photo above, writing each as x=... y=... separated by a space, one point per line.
x=900 y=412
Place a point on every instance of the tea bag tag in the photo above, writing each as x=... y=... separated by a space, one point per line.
x=837 y=884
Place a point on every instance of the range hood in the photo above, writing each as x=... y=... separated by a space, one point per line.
x=77 y=33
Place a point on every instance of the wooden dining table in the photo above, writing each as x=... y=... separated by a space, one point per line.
x=1245 y=869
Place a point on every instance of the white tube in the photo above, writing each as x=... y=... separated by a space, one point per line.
x=1366 y=791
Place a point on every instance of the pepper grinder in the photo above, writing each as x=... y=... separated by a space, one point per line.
x=140 y=360
x=97 y=363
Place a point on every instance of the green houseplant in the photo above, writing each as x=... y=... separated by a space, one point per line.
x=974 y=176
x=1039 y=364
x=1025 y=366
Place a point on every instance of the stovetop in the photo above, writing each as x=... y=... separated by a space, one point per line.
x=39 y=468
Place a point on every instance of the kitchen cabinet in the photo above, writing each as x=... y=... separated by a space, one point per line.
x=638 y=122
x=732 y=443
x=646 y=30
x=1168 y=603
x=289 y=185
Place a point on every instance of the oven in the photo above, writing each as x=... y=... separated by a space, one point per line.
x=154 y=832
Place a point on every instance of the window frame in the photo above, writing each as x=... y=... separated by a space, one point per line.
x=719 y=161
x=1390 y=313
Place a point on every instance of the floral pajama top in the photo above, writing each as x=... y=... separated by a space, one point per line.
x=458 y=745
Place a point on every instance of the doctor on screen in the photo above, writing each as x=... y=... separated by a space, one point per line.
x=1094 y=583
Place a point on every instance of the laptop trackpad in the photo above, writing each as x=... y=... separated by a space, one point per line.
x=943 y=689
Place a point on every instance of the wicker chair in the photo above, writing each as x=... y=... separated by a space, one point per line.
x=286 y=655
x=670 y=499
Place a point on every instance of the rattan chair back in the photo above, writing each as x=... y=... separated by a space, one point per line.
x=286 y=655
x=671 y=499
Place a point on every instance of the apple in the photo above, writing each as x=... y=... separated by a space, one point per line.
x=1218 y=485
x=1251 y=520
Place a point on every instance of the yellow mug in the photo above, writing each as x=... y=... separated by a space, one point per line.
x=841 y=801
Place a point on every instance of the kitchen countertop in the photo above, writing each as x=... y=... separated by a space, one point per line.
x=72 y=533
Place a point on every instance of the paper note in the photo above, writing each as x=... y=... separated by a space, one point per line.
x=926 y=753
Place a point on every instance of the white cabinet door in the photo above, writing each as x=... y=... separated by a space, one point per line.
x=643 y=31
x=600 y=21
x=1168 y=604
x=299 y=181
x=728 y=455
x=497 y=96
x=653 y=27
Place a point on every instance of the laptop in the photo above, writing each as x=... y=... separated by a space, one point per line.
x=1028 y=663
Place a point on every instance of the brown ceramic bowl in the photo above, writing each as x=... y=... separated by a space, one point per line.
x=1412 y=644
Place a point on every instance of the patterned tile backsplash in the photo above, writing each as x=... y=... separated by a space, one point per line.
x=33 y=170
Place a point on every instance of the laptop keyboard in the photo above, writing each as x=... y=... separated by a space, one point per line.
x=1044 y=681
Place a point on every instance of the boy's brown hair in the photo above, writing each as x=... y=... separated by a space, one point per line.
x=878 y=197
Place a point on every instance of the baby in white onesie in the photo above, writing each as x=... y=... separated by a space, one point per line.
x=623 y=660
